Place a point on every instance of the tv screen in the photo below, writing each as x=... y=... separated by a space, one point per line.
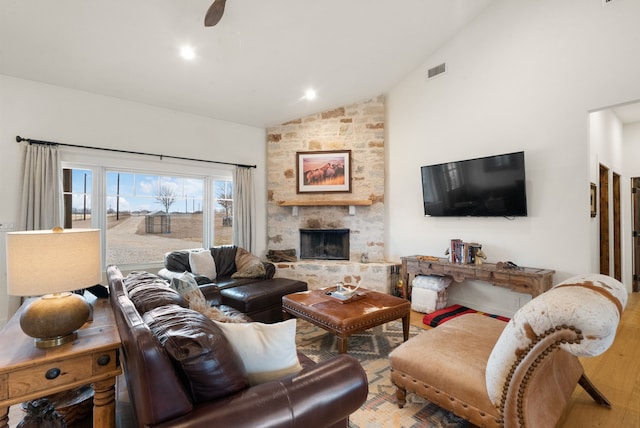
x=492 y=186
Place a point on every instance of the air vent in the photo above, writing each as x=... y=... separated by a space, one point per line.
x=436 y=71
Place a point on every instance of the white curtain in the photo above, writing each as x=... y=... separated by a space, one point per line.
x=41 y=201
x=244 y=230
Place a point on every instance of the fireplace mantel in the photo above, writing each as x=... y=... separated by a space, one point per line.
x=325 y=203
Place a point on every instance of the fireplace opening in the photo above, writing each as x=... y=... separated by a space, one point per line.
x=324 y=244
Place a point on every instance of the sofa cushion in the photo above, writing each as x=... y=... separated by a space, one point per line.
x=187 y=286
x=149 y=296
x=140 y=278
x=248 y=265
x=200 y=350
x=268 y=351
x=202 y=263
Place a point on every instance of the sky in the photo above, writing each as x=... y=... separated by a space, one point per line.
x=140 y=191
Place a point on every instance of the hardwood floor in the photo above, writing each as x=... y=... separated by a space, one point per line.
x=616 y=374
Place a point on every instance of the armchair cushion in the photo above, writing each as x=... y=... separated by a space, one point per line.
x=210 y=367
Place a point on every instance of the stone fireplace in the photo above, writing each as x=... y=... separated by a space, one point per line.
x=359 y=128
x=324 y=244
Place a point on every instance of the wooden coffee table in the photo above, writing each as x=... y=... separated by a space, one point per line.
x=346 y=318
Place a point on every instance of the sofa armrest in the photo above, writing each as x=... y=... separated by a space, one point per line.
x=321 y=395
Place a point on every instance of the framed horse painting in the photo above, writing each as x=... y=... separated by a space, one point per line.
x=322 y=172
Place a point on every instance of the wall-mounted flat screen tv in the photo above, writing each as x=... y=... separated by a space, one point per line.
x=492 y=186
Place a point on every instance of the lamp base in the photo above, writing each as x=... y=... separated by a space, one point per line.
x=50 y=342
x=53 y=319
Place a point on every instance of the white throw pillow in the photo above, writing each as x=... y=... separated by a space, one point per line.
x=202 y=263
x=268 y=351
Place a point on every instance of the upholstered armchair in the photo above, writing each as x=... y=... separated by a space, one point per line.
x=516 y=374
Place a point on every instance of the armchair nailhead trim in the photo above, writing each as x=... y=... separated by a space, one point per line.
x=527 y=376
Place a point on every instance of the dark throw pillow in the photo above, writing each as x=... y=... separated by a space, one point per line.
x=200 y=350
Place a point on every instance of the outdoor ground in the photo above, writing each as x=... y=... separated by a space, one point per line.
x=127 y=242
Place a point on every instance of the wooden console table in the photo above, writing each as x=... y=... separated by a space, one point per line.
x=523 y=280
x=27 y=372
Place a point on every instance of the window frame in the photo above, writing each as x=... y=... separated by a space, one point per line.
x=101 y=162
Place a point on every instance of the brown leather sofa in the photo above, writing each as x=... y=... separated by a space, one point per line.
x=320 y=395
x=260 y=298
x=516 y=374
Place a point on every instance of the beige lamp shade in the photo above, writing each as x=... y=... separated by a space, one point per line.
x=52 y=261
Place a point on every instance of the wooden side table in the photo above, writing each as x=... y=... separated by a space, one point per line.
x=27 y=372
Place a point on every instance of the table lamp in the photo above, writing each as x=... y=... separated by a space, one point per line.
x=51 y=264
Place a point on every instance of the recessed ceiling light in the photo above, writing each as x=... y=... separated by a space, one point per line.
x=310 y=94
x=187 y=52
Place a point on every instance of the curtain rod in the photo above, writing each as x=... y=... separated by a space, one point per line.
x=19 y=139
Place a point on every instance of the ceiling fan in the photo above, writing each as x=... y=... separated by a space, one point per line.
x=214 y=14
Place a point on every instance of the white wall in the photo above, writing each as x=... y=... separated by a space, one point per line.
x=523 y=76
x=45 y=112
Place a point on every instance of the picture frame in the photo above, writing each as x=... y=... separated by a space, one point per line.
x=594 y=199
x=323 y=171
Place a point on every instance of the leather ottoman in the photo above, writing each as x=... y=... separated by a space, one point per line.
x=346 y=318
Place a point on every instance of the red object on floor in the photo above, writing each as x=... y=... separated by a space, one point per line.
x=436 y=318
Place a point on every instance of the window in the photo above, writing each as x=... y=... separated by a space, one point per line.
x=223 y=212
x=145 y=213
x=148 y=215
x=76 y=187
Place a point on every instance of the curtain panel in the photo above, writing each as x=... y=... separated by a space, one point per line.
x=244 y=208
x=41 y=198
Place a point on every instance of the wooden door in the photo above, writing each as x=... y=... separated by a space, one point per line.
x=635 y=246
x=617 y=239
x=604 y=220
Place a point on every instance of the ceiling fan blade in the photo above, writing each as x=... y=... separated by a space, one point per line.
x=214 y=14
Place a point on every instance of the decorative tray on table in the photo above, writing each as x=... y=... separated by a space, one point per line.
x=346 y=295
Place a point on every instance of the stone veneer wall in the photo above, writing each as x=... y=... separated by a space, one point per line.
x=358 y=127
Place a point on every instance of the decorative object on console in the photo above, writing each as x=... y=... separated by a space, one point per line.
x=324 y=171
x=52 y=264
x=465 y=252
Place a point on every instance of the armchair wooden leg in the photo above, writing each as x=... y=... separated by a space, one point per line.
x=401 y=396
x=588 y=386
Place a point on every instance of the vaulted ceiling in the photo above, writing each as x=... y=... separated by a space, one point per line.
x=252 y=68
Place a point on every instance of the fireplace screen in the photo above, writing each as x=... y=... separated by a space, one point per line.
x=324 y=244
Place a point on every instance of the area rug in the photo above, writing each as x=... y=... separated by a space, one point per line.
x=372 y=349
x=441 y=316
